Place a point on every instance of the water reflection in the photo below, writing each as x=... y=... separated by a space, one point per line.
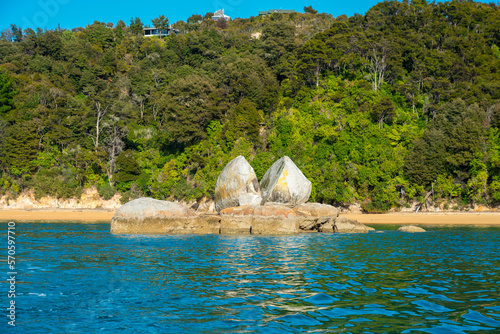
x=85 y=279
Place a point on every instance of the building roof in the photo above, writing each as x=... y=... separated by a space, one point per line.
x=220 y=14
x=281 y=11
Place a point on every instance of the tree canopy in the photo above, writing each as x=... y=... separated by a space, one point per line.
x=380 y=109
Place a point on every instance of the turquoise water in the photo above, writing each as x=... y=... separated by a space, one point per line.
x=78 y=278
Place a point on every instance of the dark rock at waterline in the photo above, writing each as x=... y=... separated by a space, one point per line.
x=346 y=225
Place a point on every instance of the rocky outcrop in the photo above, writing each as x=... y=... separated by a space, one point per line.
x=274 y=225
x=237 y=185
x=151 y=216
x=411 y=229
x=316 y=217
x=267 y=219
x=345 y=225
x=235 y=225
x=284 y=183
x=238 y=202
x=316 y=210
x=146 y=207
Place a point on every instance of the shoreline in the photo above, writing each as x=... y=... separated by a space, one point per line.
x=57 y=215
x=428 y=218
x=405 y=218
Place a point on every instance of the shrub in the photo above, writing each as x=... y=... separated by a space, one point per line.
x=106 y=191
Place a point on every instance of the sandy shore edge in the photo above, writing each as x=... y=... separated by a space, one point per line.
x=429 y=218
x=423 y=218
x=52 y=215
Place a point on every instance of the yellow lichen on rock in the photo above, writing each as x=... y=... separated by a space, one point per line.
x=284 y=183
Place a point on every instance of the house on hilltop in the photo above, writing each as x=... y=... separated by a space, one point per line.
x=272 y=11
x=149 y=32
x=220 y=15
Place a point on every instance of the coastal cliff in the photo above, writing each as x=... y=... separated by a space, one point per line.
x=89 y=199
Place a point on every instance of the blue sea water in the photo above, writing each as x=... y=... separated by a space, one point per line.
x=79 y=278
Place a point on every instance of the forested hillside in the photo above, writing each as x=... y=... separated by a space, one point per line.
x=399 y=105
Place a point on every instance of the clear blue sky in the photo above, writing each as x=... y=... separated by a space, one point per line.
x=73 y=13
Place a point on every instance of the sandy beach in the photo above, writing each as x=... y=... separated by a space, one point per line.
x=52 y=215
x=423 y=218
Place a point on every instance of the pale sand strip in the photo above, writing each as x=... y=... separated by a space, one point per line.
x=449 y=218
x=51 y=215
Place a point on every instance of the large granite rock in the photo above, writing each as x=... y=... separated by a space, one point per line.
x=146 y=207
x=346 y=225
x=151 y=216
x=237 y=185
x=411 y=229
x=284 y=183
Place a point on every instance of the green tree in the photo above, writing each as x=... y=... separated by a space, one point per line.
x=278 y=38
x=17 y=33
x=194 y=18
x=50 y=44
x=160 y=23
x=19 y=146
x=310 y=9
x=128 y=170
x=244 y=121
x=6 y=93
x=189 y=106
x=313 y=59
x=136 y=26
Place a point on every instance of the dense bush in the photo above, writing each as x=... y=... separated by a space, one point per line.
x=379 y=109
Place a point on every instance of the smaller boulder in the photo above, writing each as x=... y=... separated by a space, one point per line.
x=346 y=225
x=411 y=229
x=150 y=216
x=145 y=207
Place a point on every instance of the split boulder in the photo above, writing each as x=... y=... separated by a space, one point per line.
x=284 y=183
x=237 y=185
